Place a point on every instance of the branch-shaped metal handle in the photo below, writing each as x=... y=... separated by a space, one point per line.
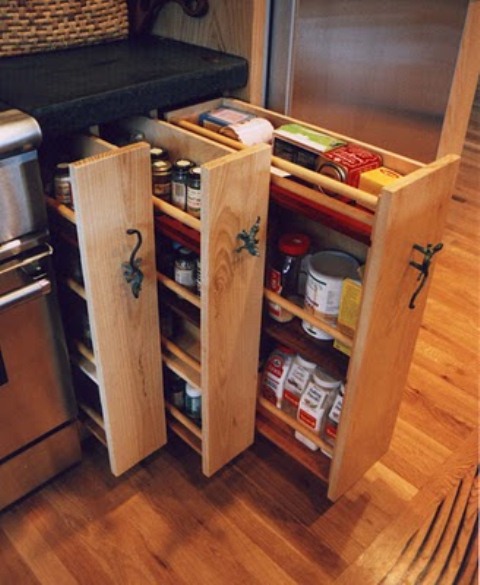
x=131 y=269
x=424 y=267
x=249 y=239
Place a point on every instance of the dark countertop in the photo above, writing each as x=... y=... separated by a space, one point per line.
x=72 y=89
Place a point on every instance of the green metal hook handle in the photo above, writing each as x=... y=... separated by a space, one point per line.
x=424 y=267
x=131 y=269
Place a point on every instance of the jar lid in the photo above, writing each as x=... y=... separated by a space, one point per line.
x=325 y=380
x=158 y=153
x=195 y=171
x=294 y=244
x=192 y=391
x=185 y=251
x=304 y=362
x=161 y=166
x=333 y=264
x=184 y=164
x=62 y=168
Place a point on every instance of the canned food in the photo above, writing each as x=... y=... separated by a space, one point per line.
x=346 y=163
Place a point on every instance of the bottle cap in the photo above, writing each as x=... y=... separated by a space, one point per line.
x=324 y=380
x=294 y=244
x=192 y=391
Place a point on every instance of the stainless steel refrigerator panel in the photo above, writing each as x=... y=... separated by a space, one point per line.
x=35 y=386
x=377 y=70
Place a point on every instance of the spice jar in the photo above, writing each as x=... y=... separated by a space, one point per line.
x=283 y=275
x=315 y=403
x=193 y=402
x=194 y=192
x=62 y=185
x=179 y=182
x=176 y=391
x=184 y=269
x=162 y=179
x=333 y=418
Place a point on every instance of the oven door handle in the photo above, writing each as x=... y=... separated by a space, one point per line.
x=15 y=264
x=27 y=293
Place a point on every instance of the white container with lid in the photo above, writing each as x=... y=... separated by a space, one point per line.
x=296 y=382
x=193 y=402
x=315 y=403
x=326 y=272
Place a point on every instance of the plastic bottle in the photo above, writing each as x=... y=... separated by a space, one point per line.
x=283 y=275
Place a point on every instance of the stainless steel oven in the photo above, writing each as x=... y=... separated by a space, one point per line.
x=38 y=436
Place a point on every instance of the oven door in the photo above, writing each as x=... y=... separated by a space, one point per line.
x=35 y=385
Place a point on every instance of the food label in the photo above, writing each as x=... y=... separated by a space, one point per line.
x=179 y=195
x=274 y=375
x=323 y=297
x=194 y=201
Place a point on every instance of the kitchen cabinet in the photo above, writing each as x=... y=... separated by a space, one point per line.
x=111 y=189
x=385 y=232
x=222 y=359
x=112 y=193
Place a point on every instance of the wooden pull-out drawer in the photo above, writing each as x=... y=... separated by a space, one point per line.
x=410 y=211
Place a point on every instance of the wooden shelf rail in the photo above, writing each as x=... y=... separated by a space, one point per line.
x=177 y=351
x=177 y=213
x=184 y=420
x=179 y=290
x=362 y=197
x=302 y=314
x=63 y=210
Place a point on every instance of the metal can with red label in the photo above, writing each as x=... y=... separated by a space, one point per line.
x=346 y=163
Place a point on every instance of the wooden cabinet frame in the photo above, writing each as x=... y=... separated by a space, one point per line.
x=410 y=211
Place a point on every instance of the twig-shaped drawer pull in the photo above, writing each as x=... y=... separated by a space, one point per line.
x=131 y=269
x=423 y=267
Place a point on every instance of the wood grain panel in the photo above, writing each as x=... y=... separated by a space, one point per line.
x=112 y=194
x=464 y=83
x=237 y=26
x=413 y=211
x=236 y=188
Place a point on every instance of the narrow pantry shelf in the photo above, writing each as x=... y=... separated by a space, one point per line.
x=265 y=405
x=184 y=420
x=93 y=423
x=77 y=288
x=182 y=369
x=281 y=435
x=181 y=307
x=86 y=366
x=179 y=290
x=302 y=314
x=185 y=434
x=183 y=351
x=177 y=213
x=321 y=352
x=62 y=210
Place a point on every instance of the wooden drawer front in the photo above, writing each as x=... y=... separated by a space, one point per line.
x=111 y=192
x=235 y=193
x=409 y=211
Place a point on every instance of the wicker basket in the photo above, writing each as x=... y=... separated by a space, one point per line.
x=31 y=26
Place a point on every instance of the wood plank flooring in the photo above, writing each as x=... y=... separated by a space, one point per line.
x=264 y=519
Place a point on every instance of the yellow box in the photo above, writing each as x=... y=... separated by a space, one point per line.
x=349 y=311
x=373 y=181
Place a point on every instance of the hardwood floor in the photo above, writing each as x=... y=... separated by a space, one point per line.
x=264 y=519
